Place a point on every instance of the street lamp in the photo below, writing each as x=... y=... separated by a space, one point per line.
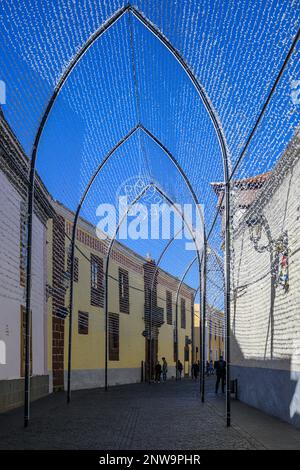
x=278 y=248
x=255 y=228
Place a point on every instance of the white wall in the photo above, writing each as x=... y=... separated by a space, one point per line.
x=12 y=295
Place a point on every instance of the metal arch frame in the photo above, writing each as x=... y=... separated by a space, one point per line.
x=44 y=119
x=198 y=289
x=153 y=280
x=73 y=239
x=92 y=179
x=201 y=262
x=225 y=157
x=163 y=194
x=212 y=113
x=112 y=240
x=221 y=266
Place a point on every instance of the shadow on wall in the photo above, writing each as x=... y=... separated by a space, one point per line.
x=269 y=385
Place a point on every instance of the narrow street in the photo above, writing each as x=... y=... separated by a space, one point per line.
x=161 y=416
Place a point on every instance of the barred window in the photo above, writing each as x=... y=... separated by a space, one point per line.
x=23 y=243
x=182 y=311
x=113 y=339
x=97 y=289
x=123 y=291
x=169 y=307
x=83 y=323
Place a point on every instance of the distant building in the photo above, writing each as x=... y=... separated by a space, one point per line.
x=215 y=331
x=265 y=298
x=14 y=168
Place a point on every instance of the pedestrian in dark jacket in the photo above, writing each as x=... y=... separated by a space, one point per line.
x=220 y=368
x=157 y=372
x=179 y=369
x=195 y=371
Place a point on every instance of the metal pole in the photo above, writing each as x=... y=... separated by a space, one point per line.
x=150 y=336
x=204 y=318
x=28 y=299
x=177 y=296
x=200 y=334
x=106 y=323
x=72 y=258
x=193 y=345
x=192 y=329
x=176 y=340
x=227 y=299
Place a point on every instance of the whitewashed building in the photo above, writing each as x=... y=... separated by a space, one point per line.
x=265 y=302
x=14 y=167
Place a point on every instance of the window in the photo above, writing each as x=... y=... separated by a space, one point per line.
x=76 y=267
x=175 y=345
x=97 y=289
x=186 y=350
x=182 y=311
x=123 y=291
x=23 y=339
x=169 y=307
x=113 y=336
x=23 y=243
x=83 y=323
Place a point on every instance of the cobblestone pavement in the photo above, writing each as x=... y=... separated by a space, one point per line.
x=139 y=416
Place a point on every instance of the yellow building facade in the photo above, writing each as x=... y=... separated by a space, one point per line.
x=128 y=326
x=214 y=334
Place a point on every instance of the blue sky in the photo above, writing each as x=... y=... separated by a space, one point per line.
x=235 y=48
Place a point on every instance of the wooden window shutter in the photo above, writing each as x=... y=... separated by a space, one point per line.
x=182 y=311
x=123 y=291
x=113 y=331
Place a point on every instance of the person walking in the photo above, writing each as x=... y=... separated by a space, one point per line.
x=211 y=368
x=179 y=369
x=157 y=372
x=220 y=368
x=195 y=371
x=164 y=369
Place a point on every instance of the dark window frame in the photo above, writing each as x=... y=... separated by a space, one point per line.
x=83 y=323
x=124 y=291
x=183 y=313
x=113 y=337
x=169 y=308
x=96 y=281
